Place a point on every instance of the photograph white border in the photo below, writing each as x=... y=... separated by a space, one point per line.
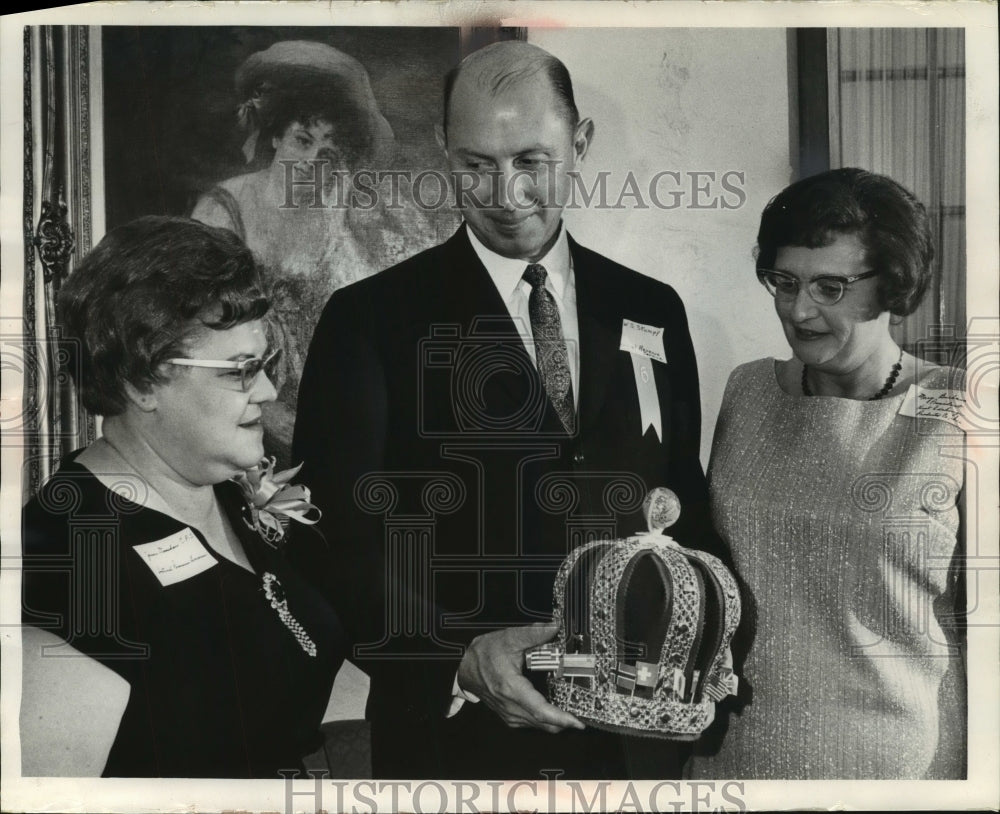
x=979 y=19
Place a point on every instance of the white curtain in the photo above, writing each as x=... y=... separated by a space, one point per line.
x=897 y=107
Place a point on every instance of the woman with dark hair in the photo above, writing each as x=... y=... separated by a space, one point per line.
x=839 y=499
x=311 y=121
x=308 y=112
x=156 y=551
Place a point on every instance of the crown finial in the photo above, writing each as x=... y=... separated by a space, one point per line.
x=661 y=509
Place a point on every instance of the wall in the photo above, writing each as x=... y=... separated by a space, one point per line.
x=687 y=100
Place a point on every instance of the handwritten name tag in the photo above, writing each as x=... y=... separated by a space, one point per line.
x=942 y=405
x=176 y=558
x=644 y=340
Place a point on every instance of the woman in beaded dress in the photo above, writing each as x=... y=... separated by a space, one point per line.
x=841 y=507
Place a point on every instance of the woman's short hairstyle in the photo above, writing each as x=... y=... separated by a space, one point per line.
x=890 y=222
x=146 y=289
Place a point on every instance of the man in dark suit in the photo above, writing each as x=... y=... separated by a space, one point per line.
x=469 y=416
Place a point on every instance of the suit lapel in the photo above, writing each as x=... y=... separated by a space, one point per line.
x=471 y=293
x=600 y=334
x=469 y=288
x=601 y=308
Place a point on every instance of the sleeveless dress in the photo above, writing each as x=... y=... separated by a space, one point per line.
x=842 y=519
x=220 y=685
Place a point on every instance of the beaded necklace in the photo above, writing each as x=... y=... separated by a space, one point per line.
x=890 y=380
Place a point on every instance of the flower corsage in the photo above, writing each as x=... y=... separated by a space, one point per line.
x=272 y=502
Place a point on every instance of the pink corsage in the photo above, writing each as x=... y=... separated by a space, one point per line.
x=272 y=501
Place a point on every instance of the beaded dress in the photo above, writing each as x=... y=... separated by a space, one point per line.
x=842 y=519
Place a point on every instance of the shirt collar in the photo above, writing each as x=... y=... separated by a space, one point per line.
x=506 y=271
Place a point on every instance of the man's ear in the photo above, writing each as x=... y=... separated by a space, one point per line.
x=583 y=135
x=145 y=400
x=440 y=137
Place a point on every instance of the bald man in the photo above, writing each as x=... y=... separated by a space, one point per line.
x=468 y=417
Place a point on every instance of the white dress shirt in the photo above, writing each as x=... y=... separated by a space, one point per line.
x=515 y=290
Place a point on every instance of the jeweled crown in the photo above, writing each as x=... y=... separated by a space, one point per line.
x=645 y=627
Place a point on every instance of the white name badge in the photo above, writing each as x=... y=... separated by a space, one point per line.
x=176 y=558
x=941 y=405
x=643 y=340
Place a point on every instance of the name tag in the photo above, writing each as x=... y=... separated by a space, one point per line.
x=941 y=405
x=176 y=558
x=643 y=340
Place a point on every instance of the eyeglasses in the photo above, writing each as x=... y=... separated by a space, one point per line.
x=245 y=371
x=822 y=290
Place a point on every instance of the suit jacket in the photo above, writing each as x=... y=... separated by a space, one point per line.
x=451 y=491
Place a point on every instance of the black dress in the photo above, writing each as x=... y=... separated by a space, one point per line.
x=221 y=685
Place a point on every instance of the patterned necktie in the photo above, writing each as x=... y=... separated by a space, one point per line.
x=550 y=346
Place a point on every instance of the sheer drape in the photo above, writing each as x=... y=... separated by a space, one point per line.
x=897 y=107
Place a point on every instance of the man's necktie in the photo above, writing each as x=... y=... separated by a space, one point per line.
x=550 y=346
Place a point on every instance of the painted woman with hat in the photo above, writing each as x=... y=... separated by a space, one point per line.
x=307 y=111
